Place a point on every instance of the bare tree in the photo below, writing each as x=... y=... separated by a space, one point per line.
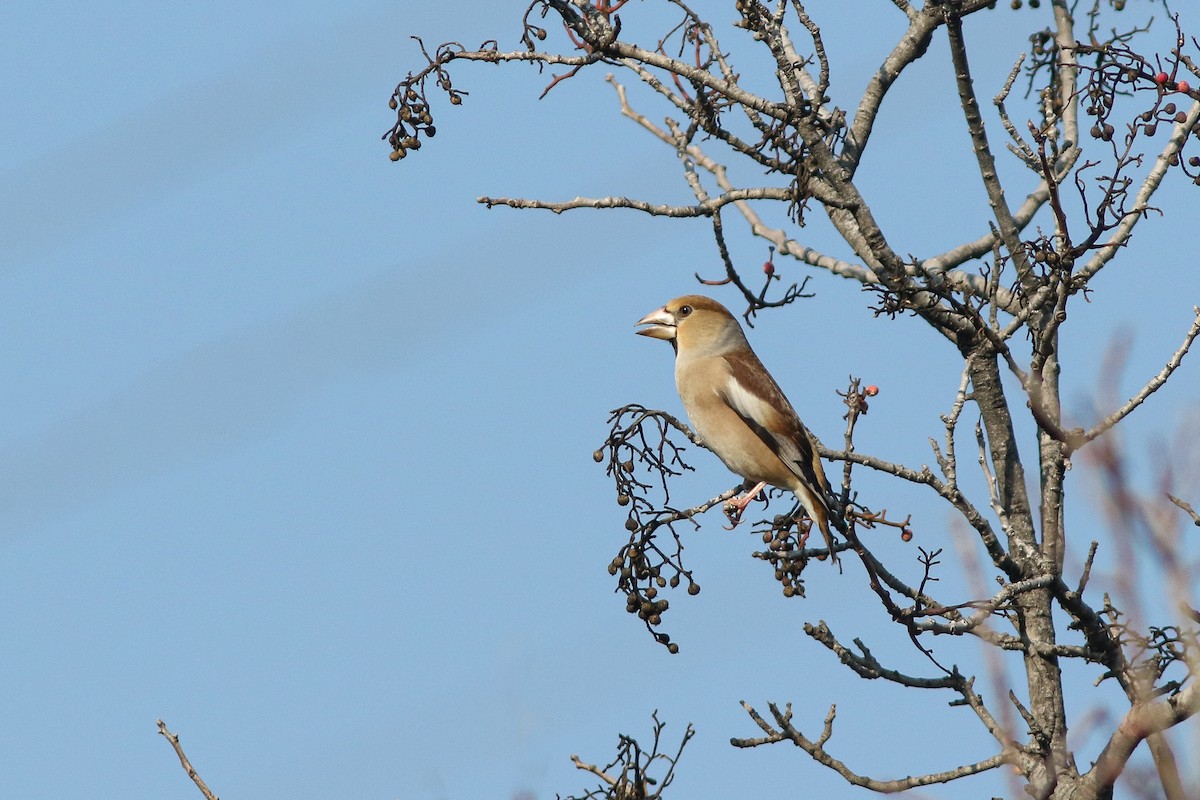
x=1095 y=126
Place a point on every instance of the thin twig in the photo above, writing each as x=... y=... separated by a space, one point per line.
x=1151 y=386
x=183 y=759
x=1186 y=508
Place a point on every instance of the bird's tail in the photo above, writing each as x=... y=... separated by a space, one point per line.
x=819 y=508
x=837 y=514
x=822 y=517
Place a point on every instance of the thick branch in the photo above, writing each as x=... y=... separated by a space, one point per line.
x=1142 y=721
x=1009 y=230
x=912 y=46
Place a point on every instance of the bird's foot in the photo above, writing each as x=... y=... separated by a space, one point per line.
x=803 y=531
x=733 y=508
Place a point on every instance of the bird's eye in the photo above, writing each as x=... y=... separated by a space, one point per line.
x=685 y=310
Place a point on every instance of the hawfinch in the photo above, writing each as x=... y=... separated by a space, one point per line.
x=737 y=408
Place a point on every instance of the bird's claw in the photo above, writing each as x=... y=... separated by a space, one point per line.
x=733 y=512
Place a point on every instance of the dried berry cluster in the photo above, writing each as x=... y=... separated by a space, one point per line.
x=1116 y=76
x=412 y=119
x=641 y=578
x=413 y=115
x=785 y=552
x=1120 y=72
x=645 y=565
x=532 y=33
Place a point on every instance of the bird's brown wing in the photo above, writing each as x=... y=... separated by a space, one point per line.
x=758 y=400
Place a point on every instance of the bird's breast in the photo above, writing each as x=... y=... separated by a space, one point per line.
x=724 y=431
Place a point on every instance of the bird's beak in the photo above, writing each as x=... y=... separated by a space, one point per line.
x=661 y=325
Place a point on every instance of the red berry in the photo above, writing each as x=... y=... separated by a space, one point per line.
x=1184 y=86
x=1161 y=78
x=906 y=535
x=769 y=268
x=872 y=390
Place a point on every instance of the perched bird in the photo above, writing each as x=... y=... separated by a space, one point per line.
x=737 y=408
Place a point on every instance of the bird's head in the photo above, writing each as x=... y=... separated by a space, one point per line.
x=694 y=324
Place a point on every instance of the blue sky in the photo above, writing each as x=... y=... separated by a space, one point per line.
x=298 y=440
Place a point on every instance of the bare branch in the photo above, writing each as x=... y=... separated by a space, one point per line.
x=703 y=209
x=906 y=7
x=985 y=608
x=637 y=772
x=1142 y=721
x=950 y=492
x=1151 y=386
x=911 y=46
x=1009 y=230
x=1186 y=507
x=183 y=760
x=783 y=730
x=867 y=666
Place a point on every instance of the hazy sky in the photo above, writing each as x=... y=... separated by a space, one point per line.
x=297 y=441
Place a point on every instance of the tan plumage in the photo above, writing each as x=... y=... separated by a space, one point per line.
x=736 y=407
